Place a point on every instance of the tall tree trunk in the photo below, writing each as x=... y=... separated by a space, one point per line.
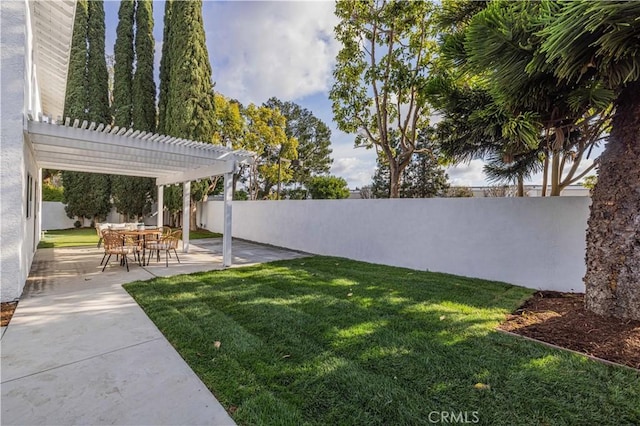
x=545 y=174
x=613 y=236
x=394 y=180
x=555 y=174
x=520 y=186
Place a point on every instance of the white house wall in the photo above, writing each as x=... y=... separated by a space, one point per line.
x=533 y=242
x=17 y=231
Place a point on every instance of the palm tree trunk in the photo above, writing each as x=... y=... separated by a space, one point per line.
x=545 y=174
x=613 y=236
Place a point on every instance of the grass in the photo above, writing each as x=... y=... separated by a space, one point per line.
x=69 y=238
x=203 y=233
x=87 y=237
x=330 y=341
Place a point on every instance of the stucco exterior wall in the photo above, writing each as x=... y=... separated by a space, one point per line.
x=54 y=217
x=533 y=242
x=17 y=231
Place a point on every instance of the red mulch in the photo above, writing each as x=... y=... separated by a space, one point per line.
x=560 y=319
x=7 y=312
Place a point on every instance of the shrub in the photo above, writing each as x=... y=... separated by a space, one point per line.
x=328 y=187
x=77 y=224
x=51 y=192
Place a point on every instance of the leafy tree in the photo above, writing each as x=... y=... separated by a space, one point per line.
x=265 y=135
x=51 y=192
x=229 y=128
x=380 y=187
x=328 y=187
x=228 y=123
x=424 y=178
x=381 y=69
x=87 y=98
x=598 y=42
x=186 y=100
x=313 y=136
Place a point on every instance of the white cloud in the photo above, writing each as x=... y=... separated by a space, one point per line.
x=470 y=174
x=264 y=49
x=356 y=166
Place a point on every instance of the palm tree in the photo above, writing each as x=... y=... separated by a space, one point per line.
x=521 y=122
x=600 y=41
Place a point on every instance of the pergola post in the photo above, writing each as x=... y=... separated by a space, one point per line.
x=186 y=215
x=226 y=234
x=39 y=206
x=160 y=217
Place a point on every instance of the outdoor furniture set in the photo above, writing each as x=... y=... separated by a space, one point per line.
x=128 y=239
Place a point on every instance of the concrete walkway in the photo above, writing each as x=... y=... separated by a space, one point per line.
x=79 y=350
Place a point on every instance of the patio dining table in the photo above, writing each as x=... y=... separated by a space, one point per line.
x=141 y=234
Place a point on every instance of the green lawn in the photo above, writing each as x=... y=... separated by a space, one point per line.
x=329 y=341
x=69 y=238
x=203 y=233
x=88 y=237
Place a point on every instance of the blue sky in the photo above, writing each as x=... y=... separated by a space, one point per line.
x=260 y=49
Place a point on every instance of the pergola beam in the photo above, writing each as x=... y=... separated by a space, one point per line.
x=198 y=173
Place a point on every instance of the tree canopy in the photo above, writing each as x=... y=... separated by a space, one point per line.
x=313 y=136
x=328 y=188
x=385 y=60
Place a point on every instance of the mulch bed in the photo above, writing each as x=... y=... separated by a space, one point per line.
x=7 y=312
x=560 y=319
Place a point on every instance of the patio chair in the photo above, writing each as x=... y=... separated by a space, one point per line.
x=166 y=243
x=114 y=243
x=99 y=232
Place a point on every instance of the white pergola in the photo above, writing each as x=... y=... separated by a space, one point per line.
x=96 y=148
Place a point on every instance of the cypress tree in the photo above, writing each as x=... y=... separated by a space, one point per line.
x=186 y=105
x=165 y=67
x=97 y=75
x=144 y=86
x=87 y=98
x=123 y=68
x=190 y=103
x=132 y=195
x=76 y=95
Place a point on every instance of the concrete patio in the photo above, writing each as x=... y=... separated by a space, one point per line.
x=79 y=350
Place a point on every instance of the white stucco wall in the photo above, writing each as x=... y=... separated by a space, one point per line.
x=533 y=242
x=54 y=217
x=17 y=231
